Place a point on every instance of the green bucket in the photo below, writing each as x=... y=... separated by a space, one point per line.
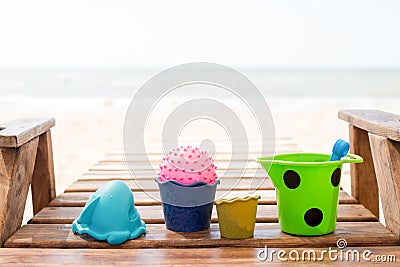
x=307 y=190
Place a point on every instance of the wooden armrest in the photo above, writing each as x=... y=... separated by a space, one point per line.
x=378 y=122
x=375 y=135
x=18 y=132
x=26 y=159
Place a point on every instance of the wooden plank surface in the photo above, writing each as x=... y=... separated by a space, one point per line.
x=51 y=228
x=374 y=121
x=223 y=146
x=181 y=257
x=157 y=236
x=78 y=199
x=150 y=174
x=157 y=156
x=222 y=166
x=148 y=184
x=154 y=214
x=17 y=132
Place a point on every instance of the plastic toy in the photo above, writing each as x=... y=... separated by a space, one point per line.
x=307 y=190
x=340 y=149
x=237 y=216
x=187 y=208
x=187 y=182
x=110 y=214
x=187 y=165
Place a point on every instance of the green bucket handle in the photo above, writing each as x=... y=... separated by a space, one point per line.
x=351 y=158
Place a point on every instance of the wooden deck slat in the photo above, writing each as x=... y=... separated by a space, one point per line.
x=178 y=256
x=236 y=166
x=216 y=139
x=157 y=236
x=150 y=174
x=223 y=146
x=252 y=164
x=121 y=166
x=78 y=199
x=254 y=150
x=254 y=147
x=220 y=157
x=156 y=157
x=91 y=185
x=154 y=214
x=222 y=166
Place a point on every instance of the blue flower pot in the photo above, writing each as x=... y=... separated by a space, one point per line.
x=187 y=208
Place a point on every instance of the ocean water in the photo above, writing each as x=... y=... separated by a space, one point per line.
x=90 y=88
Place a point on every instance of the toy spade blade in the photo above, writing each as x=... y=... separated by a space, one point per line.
x=340 y=149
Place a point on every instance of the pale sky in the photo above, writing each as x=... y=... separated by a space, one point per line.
x=78 y=33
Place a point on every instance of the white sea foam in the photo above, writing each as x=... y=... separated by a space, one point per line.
x=69 y=90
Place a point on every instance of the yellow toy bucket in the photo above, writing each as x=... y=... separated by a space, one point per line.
x=237 y=216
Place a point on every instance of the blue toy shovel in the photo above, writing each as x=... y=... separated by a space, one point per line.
x=340 y=149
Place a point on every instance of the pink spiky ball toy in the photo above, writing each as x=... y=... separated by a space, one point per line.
x=188 y=165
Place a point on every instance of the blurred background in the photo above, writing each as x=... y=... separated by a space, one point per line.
x=82 y=62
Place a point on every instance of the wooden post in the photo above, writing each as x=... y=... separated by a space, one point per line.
x=25 y=154
x=15 y=177
x=43 y=183
x=386 y=155
x=363 y=179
